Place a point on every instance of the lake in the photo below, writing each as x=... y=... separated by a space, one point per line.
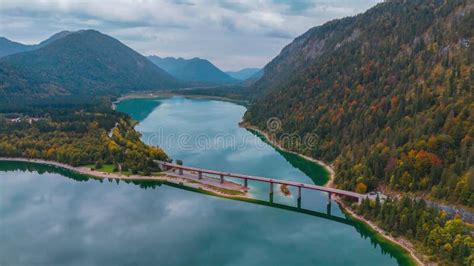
x=52 y=216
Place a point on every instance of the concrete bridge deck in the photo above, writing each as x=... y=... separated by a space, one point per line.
x=199 y=172
x=207 y=180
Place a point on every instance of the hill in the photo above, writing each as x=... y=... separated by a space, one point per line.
x=388 y=95
x=169 y=64
x=193 y=70
x=53 y=38
x=8 y=47
x=81 y=63
x=244 y=74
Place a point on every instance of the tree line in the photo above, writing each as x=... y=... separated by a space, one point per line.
x=446 y=241
x=79 y=135
x=391 y=108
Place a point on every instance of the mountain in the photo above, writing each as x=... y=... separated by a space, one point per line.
x=169 y=64
x=53 y=38
x=8 y=47
x=195 y=70
x=244 y=74
x=85 y=62
x=386 y=96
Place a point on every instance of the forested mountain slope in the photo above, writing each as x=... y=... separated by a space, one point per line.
x=244 y=73
x=8 y=47
x=82 y=63
x=195 y=69
x=202 y=70
x=389 y=93
x=169 y=64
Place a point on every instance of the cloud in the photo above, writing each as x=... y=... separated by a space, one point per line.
x=233 y=34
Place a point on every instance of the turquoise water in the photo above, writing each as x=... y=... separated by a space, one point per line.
x=50 y=216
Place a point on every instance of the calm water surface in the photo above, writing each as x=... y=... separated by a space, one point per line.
x=50 y=216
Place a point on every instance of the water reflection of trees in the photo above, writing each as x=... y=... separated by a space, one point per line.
x=364 y=230
x=316 y=172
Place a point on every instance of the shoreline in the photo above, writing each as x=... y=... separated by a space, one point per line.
x=329 y=168
x=165 y=178
x=405 y=244
x=402 y=242
x=191 y=184
x=157 y=94
x=150 y=95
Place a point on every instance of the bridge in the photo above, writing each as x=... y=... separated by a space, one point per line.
x=165 y=166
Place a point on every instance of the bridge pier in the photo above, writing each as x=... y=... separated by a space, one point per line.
x=298 y=199
x=271 y=191
x=167 y=166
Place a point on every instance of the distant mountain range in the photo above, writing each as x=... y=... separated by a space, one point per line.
x=85 y=62
x=8 y=47
x=246 y=73
x=193 y=70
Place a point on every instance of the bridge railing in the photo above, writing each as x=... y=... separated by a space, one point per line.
x=272 y=181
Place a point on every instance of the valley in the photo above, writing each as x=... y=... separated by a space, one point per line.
x=354 y=145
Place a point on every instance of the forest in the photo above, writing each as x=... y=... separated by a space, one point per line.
x=76 y=134
x=389 y=95
x=446 y=241
x=85 y=63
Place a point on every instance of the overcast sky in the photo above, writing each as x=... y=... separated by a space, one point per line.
x=231 y=34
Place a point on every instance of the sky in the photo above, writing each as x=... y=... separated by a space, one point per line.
x=231 y=34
